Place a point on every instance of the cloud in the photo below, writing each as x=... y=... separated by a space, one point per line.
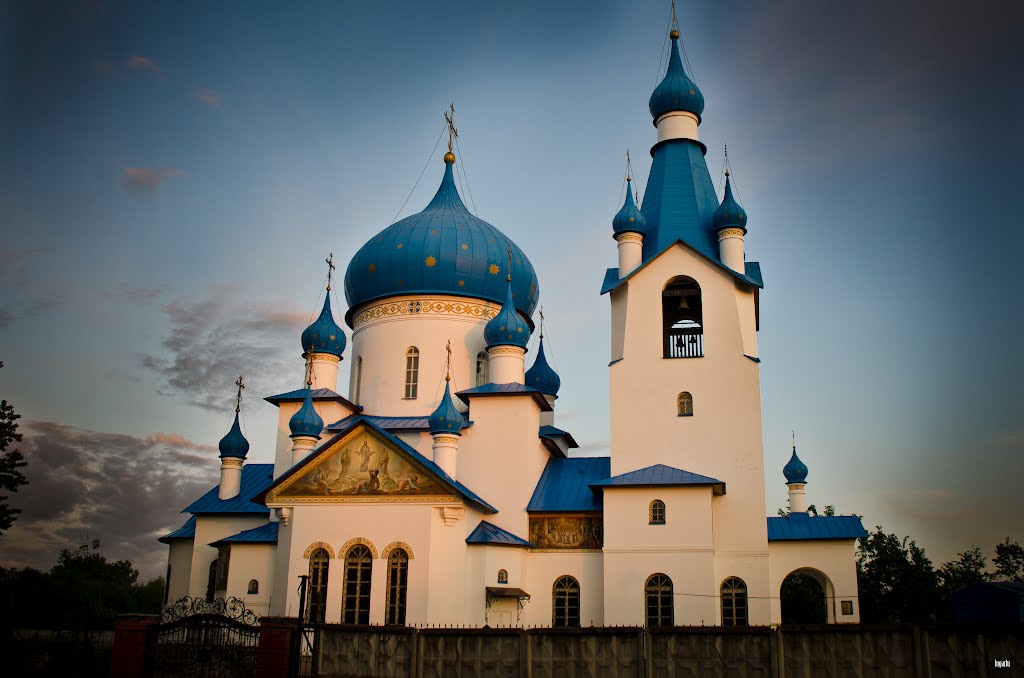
x=5 y=317
x=107 y=69
x=121 y=489
x=214 y=340
x=147 y=180
x=1009 y=440
x=143 y=293
x=143 y=64
x=210 y=97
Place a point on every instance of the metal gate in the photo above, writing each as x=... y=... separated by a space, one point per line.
x=202 y=640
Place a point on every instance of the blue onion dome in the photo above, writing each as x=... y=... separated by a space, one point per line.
x=629 y=219
x=795 y=470
x=324 y=335
x=540 y=376
x=729 y=214
x=234 y=443
x=508 y=327
x=446 y=418
x=442 y=250
x=676 y=92
x=306 y=422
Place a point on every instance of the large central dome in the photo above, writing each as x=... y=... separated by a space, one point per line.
x=442 y=250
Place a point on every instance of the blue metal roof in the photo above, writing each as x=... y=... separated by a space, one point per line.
x=565 y=485
x=306 y=422
x=255 y=479
x=541 y=376
x=487 y=533
x=442 y=250
x=264 y=534
x=507 y=327
x=552 y=432
x=506 y=390
x=676 y=92
x=392 y=423
x=186 y=531
x=318 y=394
x=795 y=470
x=446 y=418
x=443 y=478
x=660 y=475
x=234 y=443
x=324 y=335
x=629 y=218
x=751 y=275
x=730 y=212
x=800 y=526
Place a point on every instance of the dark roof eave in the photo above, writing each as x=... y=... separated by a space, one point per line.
x=611 y=286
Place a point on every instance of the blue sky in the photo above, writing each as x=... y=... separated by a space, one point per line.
x=172 y=177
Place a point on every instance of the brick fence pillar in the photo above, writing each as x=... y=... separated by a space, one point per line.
x=278 y=642
x=131 y=640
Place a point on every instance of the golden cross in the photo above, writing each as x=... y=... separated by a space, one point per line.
x=629 y=167
x=510 y=263
x=309 y=369
x=448 y=363
x=452 y=132
x=541 y=322
x=675 y=22
x=330 y=270
x=725 y=149
x=238 y=398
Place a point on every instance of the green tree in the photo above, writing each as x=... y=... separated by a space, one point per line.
x=91 y=589
x=1009 y=561
x=968 y=568
x=10 y=461
x=896 y=580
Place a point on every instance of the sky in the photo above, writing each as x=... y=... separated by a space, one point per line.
x=173 y=175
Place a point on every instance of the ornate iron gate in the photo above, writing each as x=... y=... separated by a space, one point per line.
x=202 y=640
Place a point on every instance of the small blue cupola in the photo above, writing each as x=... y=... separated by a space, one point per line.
x=729 y=214
x=629 y=219
x=234 y=443
x=676 y=92
x=446 y=418
x=324 y=335
x=541 y=376
x=795 y=470
x=507 y=328
x=306 y=422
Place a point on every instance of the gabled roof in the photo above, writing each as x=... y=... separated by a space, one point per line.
x=317 y=395
x=565 y=485
x=800 y=526
x=186 y=531
x=750 y=276
x=443 y=478
x=660 y=475
x=264 y=534
x=255 y=479
x=492 y=535
x=506 y=390
x=391 y=423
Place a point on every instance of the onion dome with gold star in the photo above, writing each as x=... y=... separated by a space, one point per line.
x=508 y=327
x=234 y=443
x=306 y=422
x=541 y=376
x=729 y=214
x=442 y=250
x=676 y=92
x=324 y=335
x=629 y=219
x=795 y=470
x=446 y=418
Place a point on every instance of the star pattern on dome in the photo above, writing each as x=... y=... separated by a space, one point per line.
x=494 y=269
x=430 y=261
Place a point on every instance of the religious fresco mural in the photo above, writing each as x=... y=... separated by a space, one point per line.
x=363 y=466
x=566 y=532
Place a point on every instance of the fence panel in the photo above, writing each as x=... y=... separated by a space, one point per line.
x=471 y=653
x=353 y=652
x=586 y=653
x=691 y=652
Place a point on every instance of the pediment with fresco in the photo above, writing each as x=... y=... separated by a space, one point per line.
x=363 y=466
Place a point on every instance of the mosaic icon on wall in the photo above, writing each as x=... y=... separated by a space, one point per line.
x=566 y=532
x=363 y=466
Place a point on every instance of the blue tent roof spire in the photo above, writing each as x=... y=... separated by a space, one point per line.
x=676 y=92
x=541 y=376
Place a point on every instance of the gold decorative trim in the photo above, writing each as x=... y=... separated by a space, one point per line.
x=318 y=545
x=372 y=499
x=230 y=462
x=730 y=233
x=481 y=310
x=507 y=350
x=629 y=237
x=396 y=545
x=343 y=551
x=326 y=358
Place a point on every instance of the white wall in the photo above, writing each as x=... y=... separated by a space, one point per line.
x=209 y=529
x=832 y=562
x=179 y=556
x=252 y=561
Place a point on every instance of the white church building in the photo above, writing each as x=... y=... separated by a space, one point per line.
x=469 y=507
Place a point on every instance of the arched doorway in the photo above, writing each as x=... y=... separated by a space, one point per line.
x=806 y=595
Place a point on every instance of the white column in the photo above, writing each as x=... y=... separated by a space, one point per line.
x=446 y=447
x=797 y=498
x=230 y=477
x=730 y=248
x=301 y=447
x=324 y=371
x=507 y=364
x=630 y=252
x=677 y=125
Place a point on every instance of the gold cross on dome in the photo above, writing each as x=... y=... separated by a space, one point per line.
x=449 y=117
x=509 y=250
x=541 y=322
x=238 y=397
x=448 y=363
x=330 y=270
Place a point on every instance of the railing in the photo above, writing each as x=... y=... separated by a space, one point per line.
x=685 y=342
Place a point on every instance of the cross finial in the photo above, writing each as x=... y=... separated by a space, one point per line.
x=629 y=167
x=448 y=362
x=309 y=369
x=541 y=322
x=725 y=148
x=238 y=397
x=675 y=21
x=449 y=117
x=794 y=440
x=509 y=250
x=330 y=270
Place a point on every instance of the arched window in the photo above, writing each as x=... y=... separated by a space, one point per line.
x=482 y=371
x=734 y=602
x=502 y=576
x=355 y=595
x=682 y=318
x=316 y=594
x=656 y=512
x=412 y=371
x=658 y=596
x=211 y=581
x=398 y=579
x=684 y=404
x=357 y=380
x=254 y=587
x=565 y=603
